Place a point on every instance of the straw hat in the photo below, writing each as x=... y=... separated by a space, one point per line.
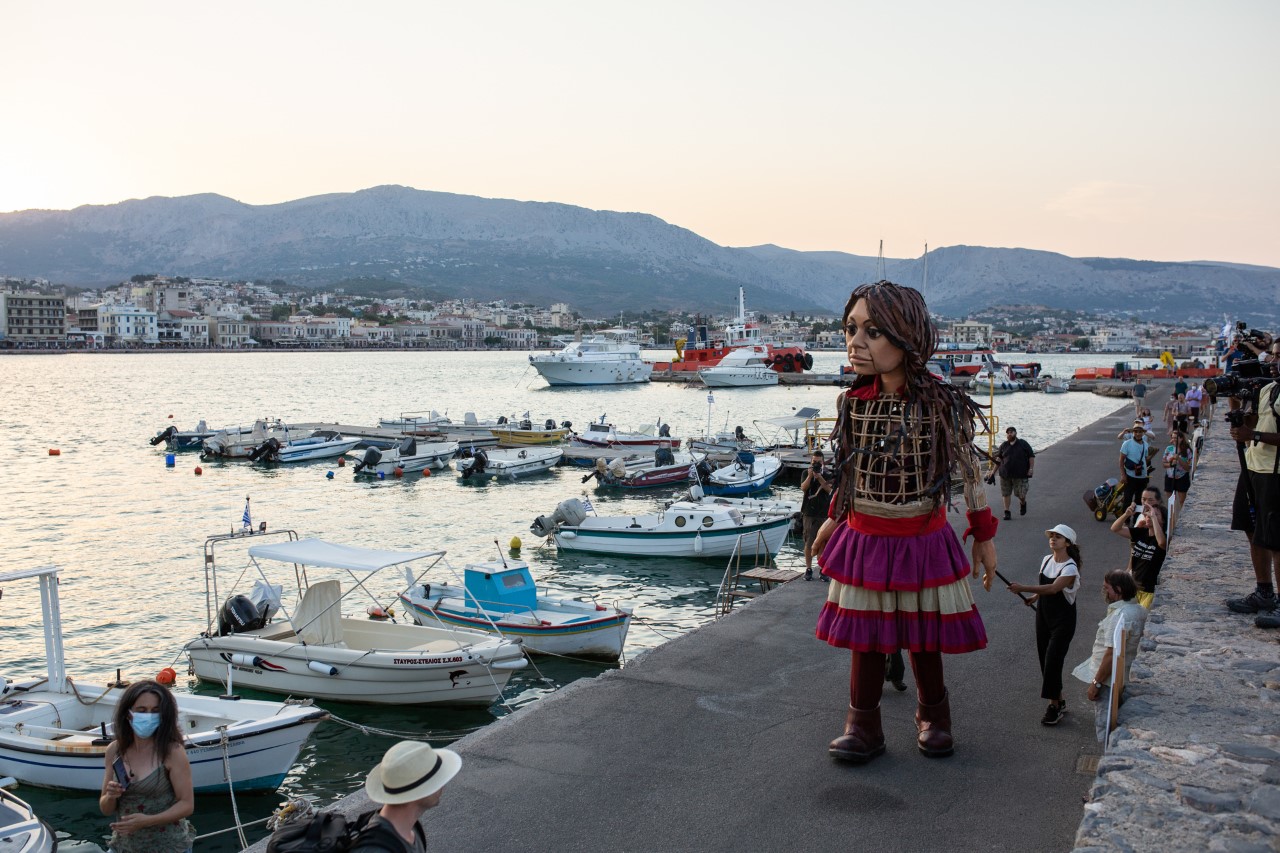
x=410 y=771
x=1063 y=531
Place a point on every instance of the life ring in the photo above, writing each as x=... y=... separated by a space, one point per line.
x=808 y=361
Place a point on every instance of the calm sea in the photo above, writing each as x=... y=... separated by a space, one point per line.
x=127 y=531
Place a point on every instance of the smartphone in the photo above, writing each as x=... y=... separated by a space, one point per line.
x=122 y=774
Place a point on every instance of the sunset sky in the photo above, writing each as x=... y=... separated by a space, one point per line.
x=1133 y=129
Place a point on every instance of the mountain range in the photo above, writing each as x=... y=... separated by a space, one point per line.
x=444 y=245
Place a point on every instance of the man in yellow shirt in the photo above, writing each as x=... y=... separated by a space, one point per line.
x=1261 y=437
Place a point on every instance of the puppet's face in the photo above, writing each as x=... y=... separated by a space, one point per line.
x=869 y=350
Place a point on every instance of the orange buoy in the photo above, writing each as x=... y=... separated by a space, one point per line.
x=342 y=462
x=53 y=451
x=376 y=612
x=399 y=472
x=167 y=676
x=426 y=472
x=199 y=470
x=171 y=418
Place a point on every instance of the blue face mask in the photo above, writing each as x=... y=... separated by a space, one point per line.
x=144 y=725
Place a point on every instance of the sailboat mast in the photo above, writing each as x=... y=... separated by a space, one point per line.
x=880 y=262
x=924 y=277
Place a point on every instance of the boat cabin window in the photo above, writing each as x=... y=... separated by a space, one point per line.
x=512 y=580
x=679 y=521
x=707 y=521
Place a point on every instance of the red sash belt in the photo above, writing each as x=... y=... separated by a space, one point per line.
x=916 y=525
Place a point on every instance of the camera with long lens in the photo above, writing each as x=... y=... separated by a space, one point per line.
x=1246 y=378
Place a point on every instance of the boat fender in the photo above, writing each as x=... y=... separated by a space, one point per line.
x=322 y=667
x=544 y=623
x=601 y=607
x=328 y=475
x=399 y=472
x=697 y=543
x=247 y=660
x=808 y=361
x=53 y=451
x=169 y=460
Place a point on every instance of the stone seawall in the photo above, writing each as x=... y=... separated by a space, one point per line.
x=1195 y=763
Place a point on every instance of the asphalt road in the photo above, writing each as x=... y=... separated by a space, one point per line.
x=718 y=741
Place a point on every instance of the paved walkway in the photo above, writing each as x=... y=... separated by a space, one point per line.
x=717 y=740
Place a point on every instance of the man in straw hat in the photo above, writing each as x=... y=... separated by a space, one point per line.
x=409 y=781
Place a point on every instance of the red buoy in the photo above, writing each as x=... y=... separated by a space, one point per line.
x=399 y=472
x=53 y=451
x=426 y=472
x=199 y=470
x=342 y=462
x=167 y=676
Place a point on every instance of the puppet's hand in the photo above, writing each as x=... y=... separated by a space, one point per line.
x=984 y=554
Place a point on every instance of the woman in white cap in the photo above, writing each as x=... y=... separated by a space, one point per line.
x=410 y=780
x=1054 y=598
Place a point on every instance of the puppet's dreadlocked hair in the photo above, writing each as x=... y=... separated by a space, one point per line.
x=901 y=315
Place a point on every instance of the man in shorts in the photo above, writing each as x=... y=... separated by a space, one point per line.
x=817 y=488
x=1016 y=463
x=1261 y=438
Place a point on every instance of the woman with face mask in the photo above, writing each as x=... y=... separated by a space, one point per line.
x=147 y=784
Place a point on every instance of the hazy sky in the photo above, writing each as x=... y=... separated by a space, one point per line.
x=1134 y=129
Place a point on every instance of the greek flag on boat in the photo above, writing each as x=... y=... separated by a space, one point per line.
x=711 y=398
x=586 y=504
x=248 y=522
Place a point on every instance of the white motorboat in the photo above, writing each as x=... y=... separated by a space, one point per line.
x=744 y=367
x=705 y=528
x=176 y=439
x=407 y=457
x=989 y=381
x=609 y=357
x=1055 y=386
x=604 y=434
x=418 y=423
x=500 y=597
x=20 y=830
x=238 y=442
x=321 y=444
x=747 y=473
x=54 y=732
x=661 y=468
x=316 y=651
x=508 y=464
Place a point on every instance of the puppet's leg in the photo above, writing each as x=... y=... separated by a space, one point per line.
x=863 y=739
x=933 y=709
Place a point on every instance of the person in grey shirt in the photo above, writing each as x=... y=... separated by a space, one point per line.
x=1120 y=592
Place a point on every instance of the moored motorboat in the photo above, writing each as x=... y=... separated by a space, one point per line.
x=508 y=464
x=316 y=651
x=500 y=597
x=706 y=528
x=603 y=434
x=523 y=432
x=177 y=440
x=238 y=442
x=1051 y=385
x=418 y=423
x=21 y=831
x=989 y=381
x=747 y=473
x=661 y=468
x=744 y=367
x=54 y=732
x=321 y=444
x=609 y=357
x=408 y=457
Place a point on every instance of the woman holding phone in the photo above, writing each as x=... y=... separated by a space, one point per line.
x=147 y=783
x=1143 y=525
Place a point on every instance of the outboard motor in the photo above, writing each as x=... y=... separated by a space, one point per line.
x=502 y=419
x=479 y=463
x=409 y=447
x=239 y=614
x=663 y=456
x=549 y=424
x=570 y=512
x=566 y=424
x=164 y=435
x=704 y=470
x=738 y=434
x=265 y=451
x=664 y=431
x=372 y=456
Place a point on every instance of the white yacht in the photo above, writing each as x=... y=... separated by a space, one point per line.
x=744 y=367
x=609 y=357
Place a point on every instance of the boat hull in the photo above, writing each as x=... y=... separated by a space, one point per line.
x=568 y=373
x=738 y=377
x=510 y=464
x=598 y=638
x=529 y=437
x=714 y=543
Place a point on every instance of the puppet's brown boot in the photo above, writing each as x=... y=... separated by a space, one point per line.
x=863 y=739
x=934 y=725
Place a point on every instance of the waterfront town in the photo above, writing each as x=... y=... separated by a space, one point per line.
x=174 y=312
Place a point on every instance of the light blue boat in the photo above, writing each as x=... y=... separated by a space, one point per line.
x=747 y=473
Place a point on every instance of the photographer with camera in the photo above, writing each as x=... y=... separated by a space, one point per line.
x=1255 y=426
x=817 y=488
x=1015 y=461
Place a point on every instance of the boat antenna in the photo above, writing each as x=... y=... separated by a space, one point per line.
x=500 y=557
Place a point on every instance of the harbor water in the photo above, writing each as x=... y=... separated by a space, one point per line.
x=127 y=530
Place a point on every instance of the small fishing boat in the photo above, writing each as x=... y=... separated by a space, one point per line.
x=321 y=444
x=54 y=732
x=744 y=367
x=177 y=440
x=1055 y=386
x=500 y=597
x=508 y=464
x=747 y=473
x=523 y=433
x=418 y=423
x=694 y=528
x=603 y=434
x=238 y=442
x=408 y=457
x=20 y=830
x=661 y=468
x=316 y=651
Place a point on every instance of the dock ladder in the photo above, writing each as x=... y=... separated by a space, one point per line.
x=763 y=571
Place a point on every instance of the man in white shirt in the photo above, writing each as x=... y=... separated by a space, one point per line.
x=1120 y=591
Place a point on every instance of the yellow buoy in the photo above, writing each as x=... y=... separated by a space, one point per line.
x=515 y=543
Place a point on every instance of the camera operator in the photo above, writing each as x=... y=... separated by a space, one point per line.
x=817 y=488
x=1256 y=430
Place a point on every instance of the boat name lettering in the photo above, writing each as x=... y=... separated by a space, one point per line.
x=457 y=659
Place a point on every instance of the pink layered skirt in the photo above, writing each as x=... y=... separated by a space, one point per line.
x=892 y=591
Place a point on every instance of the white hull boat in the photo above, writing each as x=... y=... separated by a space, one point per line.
x=51 y=730
x=747 y=473
x=415 y=423
x=237 y=443
x=704 y=528
x=988 y=382
x=741 y=368
x=508 y=464
x=20 y=830
x=1056 y=386
x=601 y=434
x=192 y=439
x=609 y=358
x=315 y=651
x=407 y=458
x=501 y=598
x=322 y=444
x=662 y=468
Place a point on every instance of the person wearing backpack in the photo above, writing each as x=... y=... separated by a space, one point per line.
x=409 y=781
